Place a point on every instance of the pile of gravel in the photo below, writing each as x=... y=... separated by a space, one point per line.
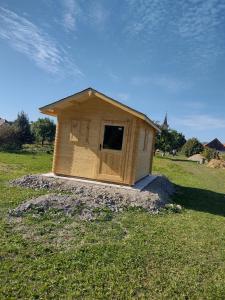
x=87 y=199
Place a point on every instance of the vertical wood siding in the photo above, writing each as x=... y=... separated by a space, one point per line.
x=78 y=138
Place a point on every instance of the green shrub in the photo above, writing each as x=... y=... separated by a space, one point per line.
x=191 y=147
x=9 y=138
x=38 y=148
x=209 y=153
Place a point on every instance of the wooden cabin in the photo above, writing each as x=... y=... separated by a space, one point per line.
x=100 y=138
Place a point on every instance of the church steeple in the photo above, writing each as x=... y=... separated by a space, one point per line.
x=165 y=124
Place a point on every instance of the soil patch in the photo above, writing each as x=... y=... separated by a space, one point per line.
x=216 y=164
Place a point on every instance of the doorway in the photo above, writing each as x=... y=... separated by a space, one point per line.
x=112 y=149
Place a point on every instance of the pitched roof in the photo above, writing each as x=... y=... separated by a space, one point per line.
x=51 y=109
x=216 y=144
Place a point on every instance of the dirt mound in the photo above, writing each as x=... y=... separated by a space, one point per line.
x=196 y=157
x=216 y=164
x=88 y=200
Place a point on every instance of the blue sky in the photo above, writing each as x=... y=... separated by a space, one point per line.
x=157 y=56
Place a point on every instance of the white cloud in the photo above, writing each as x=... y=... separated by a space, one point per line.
x=200 y=122
x=146 y=16
x=97 y=14
x=71 y=13
x=28 y=39
x=162 y=81
x=197 y=26
x=89 y=12
x=199 y=18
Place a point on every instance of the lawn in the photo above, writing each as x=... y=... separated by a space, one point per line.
x=133 y=256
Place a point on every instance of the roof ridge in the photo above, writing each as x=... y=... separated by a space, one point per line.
x=141 y=115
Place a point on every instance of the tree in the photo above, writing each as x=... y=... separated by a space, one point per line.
x=9 y=138
x=191 y=147
x=170 y=139
x=23 y=129
x=177 y=139
x=163 y=141
x=43 y=130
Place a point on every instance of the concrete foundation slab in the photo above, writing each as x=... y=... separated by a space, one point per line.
x=140 y=185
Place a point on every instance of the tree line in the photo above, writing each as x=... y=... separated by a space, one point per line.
x=14 y=134
x=170 y=139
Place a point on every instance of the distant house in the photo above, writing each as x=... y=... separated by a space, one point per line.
x=216 y=144
x=100 y=138
x=3 y=121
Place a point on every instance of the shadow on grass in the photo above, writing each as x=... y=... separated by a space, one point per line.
x=174 y=158
x=182 y=160
x=200 y=200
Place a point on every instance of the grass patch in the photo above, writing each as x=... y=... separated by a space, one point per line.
x=133 y=255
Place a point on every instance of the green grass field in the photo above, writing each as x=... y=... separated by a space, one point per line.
x=133 y=256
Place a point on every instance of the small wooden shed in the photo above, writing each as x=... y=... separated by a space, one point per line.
x=100 y=138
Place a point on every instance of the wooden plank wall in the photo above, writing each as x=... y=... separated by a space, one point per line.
x=144 y=150
x=81 y=158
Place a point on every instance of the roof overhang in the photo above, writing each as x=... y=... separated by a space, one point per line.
x=53 y=108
